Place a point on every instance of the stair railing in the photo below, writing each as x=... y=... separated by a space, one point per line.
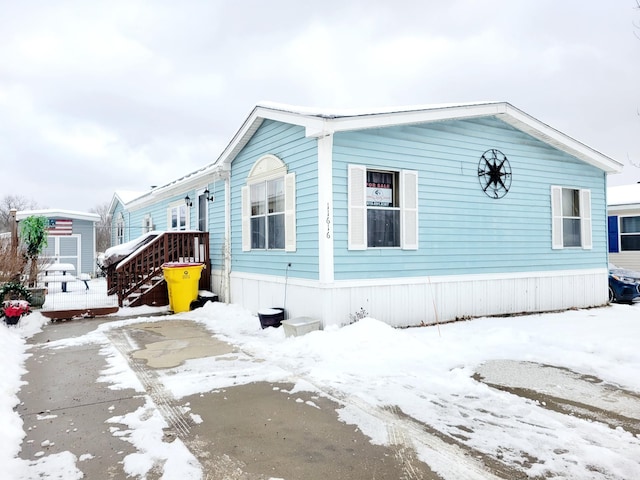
x=143 y=267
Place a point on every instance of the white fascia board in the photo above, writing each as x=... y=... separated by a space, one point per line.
x=50 y=212
x=319 y=125
x=407 y=117
x=614 y=209
x=114 y=201
x=535 y=128
x=253 y=122
x=181 y=186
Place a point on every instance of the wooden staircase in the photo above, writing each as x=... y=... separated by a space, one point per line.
x=138 y=278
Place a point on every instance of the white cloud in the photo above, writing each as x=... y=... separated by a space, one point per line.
x=140 y=84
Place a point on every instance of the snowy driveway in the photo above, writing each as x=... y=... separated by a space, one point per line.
x=522 y=397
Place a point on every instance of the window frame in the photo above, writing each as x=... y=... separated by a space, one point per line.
x=394 y=208
x=147 y=224
x=202 y=213
x=266 y=169
x=558 y=238
x=266 y=213
x=178 y=205
x=622 y=234
x=406 y=195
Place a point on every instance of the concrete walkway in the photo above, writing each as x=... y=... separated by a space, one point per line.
x=253 y=431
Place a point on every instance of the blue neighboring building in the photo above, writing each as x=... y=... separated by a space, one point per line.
x=414 y=215
x=71 y=237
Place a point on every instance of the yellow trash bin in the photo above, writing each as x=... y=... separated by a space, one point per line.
x=182 y=284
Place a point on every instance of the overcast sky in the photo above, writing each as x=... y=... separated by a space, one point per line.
x=99 y=96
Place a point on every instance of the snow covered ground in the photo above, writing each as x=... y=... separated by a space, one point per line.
x=427 y=373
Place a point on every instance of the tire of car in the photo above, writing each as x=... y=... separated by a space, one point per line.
x=612 y=296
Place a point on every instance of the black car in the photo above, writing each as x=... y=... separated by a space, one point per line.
x=624 y=285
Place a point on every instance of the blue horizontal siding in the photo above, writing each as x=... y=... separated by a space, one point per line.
x=158 y=212
x=299 y=153
x=461 y=230
x=115 y=215
x=216 y=226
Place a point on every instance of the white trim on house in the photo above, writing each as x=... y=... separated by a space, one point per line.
x=357 y=225
x=290 y=212
x=557 y=242
x=246 y=218
x=325 y=210
x=266 y=168
x=147 y=224
x=557 y=232
x=199 y=193
x=409 y=209
x=357 y=207
x=391 y=281
x=178 y=204
x=123 y=197
x=585 y=219
x=318 y=123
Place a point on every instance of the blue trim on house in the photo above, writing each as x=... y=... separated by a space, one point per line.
x=614 y=246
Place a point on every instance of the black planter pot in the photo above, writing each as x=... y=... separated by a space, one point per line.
x=271 y=317
x=11 y=320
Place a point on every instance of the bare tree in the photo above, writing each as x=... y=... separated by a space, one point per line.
x=13 y=201
x=103 y=227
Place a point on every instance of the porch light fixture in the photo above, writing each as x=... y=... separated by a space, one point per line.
x=188 y=201
x=210 y=198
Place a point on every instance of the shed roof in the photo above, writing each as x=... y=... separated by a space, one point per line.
x=51 y=212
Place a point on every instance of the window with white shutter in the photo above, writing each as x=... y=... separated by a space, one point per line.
x=269 y=207
x=383 y=208
x=571 y=218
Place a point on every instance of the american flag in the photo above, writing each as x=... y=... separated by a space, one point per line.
x=60 y=226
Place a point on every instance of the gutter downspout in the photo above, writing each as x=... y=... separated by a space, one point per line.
x=227 y=238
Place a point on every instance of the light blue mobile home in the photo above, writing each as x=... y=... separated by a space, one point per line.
x=413 y=215
x=195 y=202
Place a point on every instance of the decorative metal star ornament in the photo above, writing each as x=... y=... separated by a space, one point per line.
x=494 y=173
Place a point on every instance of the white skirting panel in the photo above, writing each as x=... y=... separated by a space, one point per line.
x=424 y=300
x=218 y=284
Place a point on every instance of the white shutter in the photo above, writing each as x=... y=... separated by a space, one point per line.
x=357 y=204
x=409 y=209
x=246 y=219
x=585 y=219
x=290 y=212
x=556 y=218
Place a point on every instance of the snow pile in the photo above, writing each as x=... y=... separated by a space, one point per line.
x=427 y=373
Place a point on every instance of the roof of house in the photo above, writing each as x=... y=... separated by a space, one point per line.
x=124 y=197
x=321 y=122
x=52 y=212
x=624 y=195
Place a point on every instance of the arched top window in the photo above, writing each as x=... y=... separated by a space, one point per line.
x=265 y=167
x=268 y=207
